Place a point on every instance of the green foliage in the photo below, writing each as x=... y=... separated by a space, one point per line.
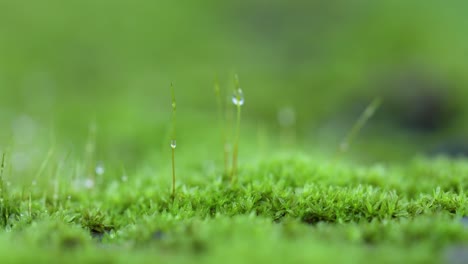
x=67 y=67
x=288 y=204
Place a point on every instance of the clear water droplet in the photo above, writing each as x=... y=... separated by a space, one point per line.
x=89 y=183
x=238 y=97
x=173 y=143
x=174 y=105
x=100 y=169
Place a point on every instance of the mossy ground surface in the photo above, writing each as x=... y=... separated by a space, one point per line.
x=284 y=209
x=85 y=123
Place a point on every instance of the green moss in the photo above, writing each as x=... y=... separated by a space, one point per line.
x=287 y=208
x=76 y=93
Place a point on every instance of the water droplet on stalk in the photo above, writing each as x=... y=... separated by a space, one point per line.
x=173 y=144
x=89 y=183
x=100 y=169
x=238 y=97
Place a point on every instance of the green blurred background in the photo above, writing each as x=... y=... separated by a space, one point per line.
x=67 y=64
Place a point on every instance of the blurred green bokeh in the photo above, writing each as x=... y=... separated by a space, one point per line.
x=64 y=64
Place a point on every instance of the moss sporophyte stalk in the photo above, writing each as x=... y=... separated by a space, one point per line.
x=238 y=100
x=173 y=140
x=359 y=125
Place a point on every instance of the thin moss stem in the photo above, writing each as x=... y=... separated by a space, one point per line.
x=238 y=100
x=90 y=150
x=235 y=152
x=359 y=125
x=173 y=173
x=173 y=140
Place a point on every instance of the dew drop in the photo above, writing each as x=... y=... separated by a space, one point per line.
x=238 y=97
x=173 y=143
x=89 y=183
x=124 y=178
x=100 y=169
